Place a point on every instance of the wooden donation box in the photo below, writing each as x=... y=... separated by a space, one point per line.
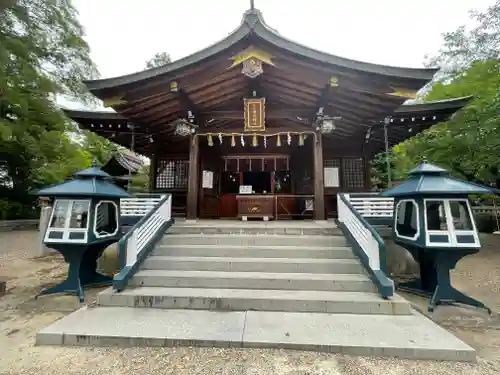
x=255 y=205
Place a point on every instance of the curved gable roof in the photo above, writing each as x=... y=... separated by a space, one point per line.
x=253 y=23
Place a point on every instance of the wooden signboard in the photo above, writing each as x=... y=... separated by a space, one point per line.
x=255 y=114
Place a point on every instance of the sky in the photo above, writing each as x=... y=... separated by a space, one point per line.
x=123 y=34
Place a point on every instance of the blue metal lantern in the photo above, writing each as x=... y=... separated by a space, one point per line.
x=433 y=220
x=85 y=220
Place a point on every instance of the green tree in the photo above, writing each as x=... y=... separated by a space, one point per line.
x=464 y=46
x=42 y=55
x=159 y=59
x=469 y=143
x=140 y=181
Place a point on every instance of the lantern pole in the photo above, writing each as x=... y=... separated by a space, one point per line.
x=132 y=147
x=387 y=121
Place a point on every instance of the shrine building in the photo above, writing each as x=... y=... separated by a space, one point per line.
x=257 y=125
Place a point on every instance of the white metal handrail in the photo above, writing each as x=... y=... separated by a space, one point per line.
x=369 y=244
x=141 y=234
x=373 y=206
x=360 y=232
x=138 y=206
x=136 y=244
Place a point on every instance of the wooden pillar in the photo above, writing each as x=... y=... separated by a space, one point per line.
x=193 y=183
x=319 y=179
x=153 y=166
x=368 y=172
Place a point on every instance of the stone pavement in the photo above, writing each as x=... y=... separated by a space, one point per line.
x=414 y=336
x=21 y=318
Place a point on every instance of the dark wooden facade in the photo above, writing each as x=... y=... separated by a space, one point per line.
x=299 y=85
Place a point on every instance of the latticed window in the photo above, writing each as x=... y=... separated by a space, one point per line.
x=331 y=163
x=172 y=174
x=331 y=173
x=353 y=173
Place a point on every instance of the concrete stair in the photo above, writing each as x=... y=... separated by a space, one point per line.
x=255 y=268
x=228 y=277
x=245 y=239
x=254 y=280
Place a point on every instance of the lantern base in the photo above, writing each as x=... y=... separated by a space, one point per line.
x=82 y=264
x=434 y=282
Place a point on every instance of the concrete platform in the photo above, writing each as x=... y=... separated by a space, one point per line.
x=295 y=227
x=255 y=300
x=221 y=223
x=412 y=336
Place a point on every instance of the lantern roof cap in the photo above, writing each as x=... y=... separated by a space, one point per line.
x=90 y=182
x=431 y=180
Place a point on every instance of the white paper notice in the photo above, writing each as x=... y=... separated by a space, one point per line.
x=331 y=177
x=208 y=180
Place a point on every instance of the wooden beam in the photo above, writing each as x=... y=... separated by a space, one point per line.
x=224 y=98
x=185 y=77
x=189 y=108
x=253 y=85
x=163 y=102
x=237 y=114
x=153 y=113
x=201 y=84
x=217 y=90
x=295 y=87
x=275 y=90
x=348 y=77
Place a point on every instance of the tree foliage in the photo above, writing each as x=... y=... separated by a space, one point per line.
x=469 y=143
x=140 y=181
x=159 y=59
x=465 y=46
x=42 y=55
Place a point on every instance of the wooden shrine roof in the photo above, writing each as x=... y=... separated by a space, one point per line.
x=122 y=162
x=296 y=82
x=253 y=25
x=406 y=121
x=410 y=119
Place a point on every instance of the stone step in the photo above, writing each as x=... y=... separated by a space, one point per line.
x=248 y=251
x=253 y=280
x=253 y=240
x=254 y=230
x=255 y=300
x=238 y=264
x=411 y=336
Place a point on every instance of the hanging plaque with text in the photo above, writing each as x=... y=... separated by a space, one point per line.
x=255 y=114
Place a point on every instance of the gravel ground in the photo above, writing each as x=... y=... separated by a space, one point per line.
x=21 y=317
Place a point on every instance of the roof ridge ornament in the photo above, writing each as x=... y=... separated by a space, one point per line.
x=252 y=16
